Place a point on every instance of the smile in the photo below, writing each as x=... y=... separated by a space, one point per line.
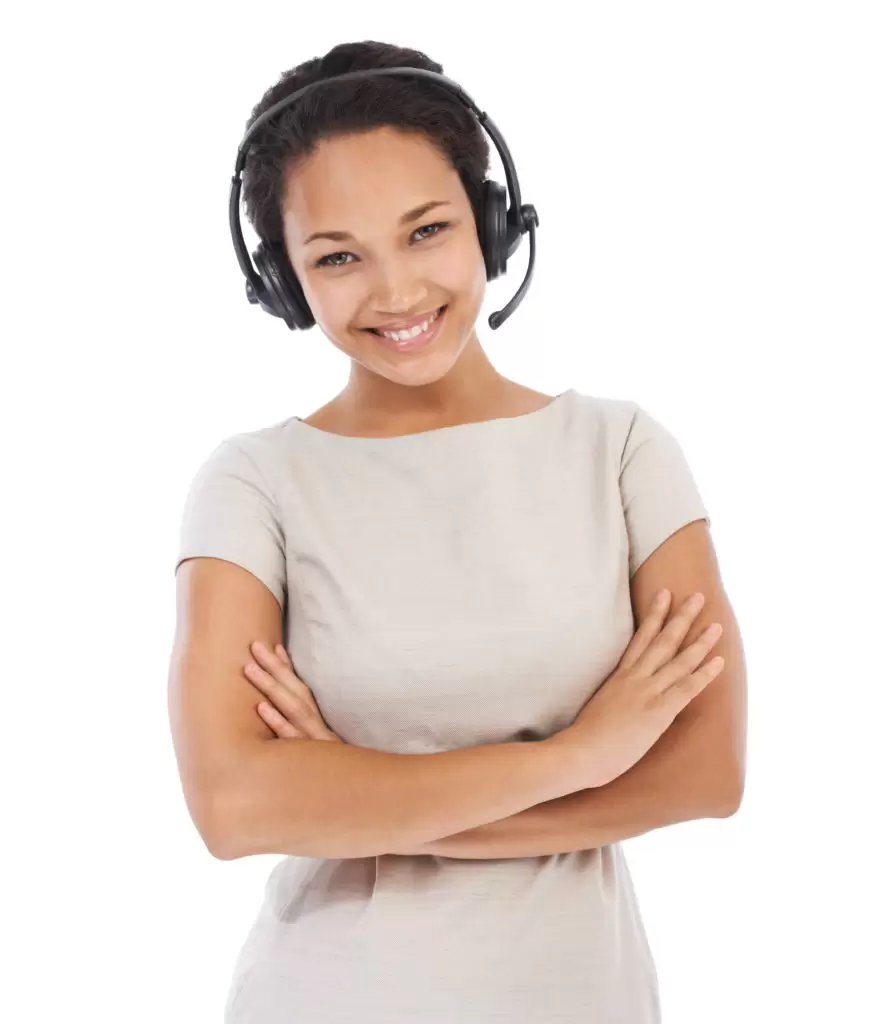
x=403 y=341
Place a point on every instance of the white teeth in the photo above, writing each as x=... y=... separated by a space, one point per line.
x=413 y=333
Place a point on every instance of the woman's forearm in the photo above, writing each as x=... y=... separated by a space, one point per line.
x=672 y=783
x=556 y=826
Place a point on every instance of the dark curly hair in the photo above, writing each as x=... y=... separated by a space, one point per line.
x=407 y=104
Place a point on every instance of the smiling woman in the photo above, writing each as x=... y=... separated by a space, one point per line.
x=445 y=557
x=394 y=273
x=336 y=165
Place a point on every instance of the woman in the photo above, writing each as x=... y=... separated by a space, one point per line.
x=381 y=603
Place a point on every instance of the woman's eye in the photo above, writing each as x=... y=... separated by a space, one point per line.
x=331 y=260
x=328 y=261
x=439 y=225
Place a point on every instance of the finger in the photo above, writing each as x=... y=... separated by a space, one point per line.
x=273 y=665
x=278 y=694
x=300 y=711
x=279 y=668
x=688 y=687
x=686 y=661
x=278 y=723
x=648 y=629
x=666 y=645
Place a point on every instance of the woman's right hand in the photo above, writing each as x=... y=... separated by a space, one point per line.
x=639 y=700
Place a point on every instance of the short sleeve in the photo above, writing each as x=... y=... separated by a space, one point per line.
x=231 y=513
x=659 y=493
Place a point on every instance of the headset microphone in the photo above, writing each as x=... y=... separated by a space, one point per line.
x=274 y=286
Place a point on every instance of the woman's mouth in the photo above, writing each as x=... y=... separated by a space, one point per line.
x=409 y=341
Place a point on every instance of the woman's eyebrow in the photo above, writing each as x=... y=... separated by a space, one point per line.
x=407 y=218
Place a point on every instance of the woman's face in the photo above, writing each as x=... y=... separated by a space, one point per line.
x=383 y=268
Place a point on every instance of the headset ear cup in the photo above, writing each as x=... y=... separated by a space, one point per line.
x=493 y=229
x=283 y=296
x=297 y=302
x=266 y=296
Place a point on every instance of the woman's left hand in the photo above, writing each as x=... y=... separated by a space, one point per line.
x=289 y=709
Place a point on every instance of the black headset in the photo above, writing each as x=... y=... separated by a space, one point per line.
x=275 y=287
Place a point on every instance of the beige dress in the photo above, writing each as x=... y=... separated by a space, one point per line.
x=462 y=586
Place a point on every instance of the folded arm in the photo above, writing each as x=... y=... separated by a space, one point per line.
x=681 y=778
x=695 y=770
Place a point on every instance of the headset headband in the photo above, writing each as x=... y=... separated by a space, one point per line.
x=520 y=218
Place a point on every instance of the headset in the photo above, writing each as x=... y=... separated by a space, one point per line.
x=275 y=287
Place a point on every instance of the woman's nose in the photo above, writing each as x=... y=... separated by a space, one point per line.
x=397 y=289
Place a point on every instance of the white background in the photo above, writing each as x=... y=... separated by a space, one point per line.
x=713 y=182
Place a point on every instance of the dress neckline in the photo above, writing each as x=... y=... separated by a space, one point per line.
x=455 y=429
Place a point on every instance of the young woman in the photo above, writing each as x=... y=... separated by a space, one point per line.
x=422 y=649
